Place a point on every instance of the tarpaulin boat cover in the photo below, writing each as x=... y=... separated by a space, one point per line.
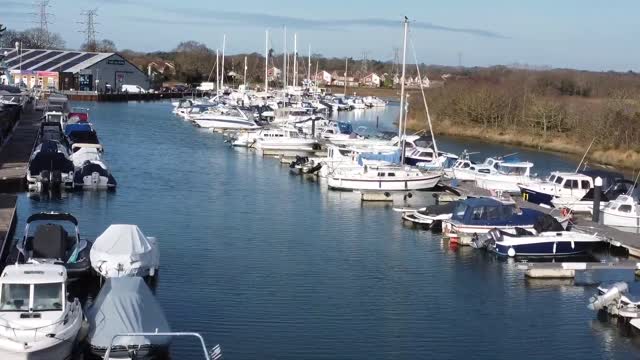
x=391 y=157
x=123 y=250
x=126 y=305
x=85 y=154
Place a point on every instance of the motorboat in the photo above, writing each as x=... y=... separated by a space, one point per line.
x=477 y=216
x=278 y=139
x=76 y=116
x=548 y=238
x=54 y=238
x=624 y=211
x=51 y=130
x=50 y=167
x=585 y=204
x=356 y=103
x=508 y=177
x=123 y=250
x=372 y=101
x=341 y=158
x=37 y=319
x=383 y=178
x=292 y=115
x=567 y=187
x=55 y=116
x=91 y=172
x=426 y=158
x=225 y=118
x=126 y=305
x=430 y=216
x=466 y=170
x=615 y=301
x=81 y=133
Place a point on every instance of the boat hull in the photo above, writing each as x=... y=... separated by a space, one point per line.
x=619 y=220
x=56 y=350
x=544 y=248
x=536 y=197
x=350 y=183
x=226 y=124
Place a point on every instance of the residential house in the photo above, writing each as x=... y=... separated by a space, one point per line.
x=371 y=80
x=273 y=73
x=323 y=78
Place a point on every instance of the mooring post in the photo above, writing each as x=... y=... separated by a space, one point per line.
x=313 y=128
x=596 y=199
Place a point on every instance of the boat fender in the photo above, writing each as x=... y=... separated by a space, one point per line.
x=387 y=194
x=564 y=212
x=511 y=252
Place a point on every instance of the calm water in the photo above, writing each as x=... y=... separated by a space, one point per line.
x=271 y=265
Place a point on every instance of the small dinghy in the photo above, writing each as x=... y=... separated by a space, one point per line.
x=126 y=305
x=614 y=301
x=123 y=250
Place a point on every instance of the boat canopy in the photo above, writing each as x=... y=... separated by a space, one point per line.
x=122 y=250
x=44 y=216
x=80 y=127
x=126 y=305
x=390 y=157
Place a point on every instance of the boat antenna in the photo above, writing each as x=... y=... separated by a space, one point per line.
x=512 y=154
x=424 y=99
x=630 y=191
x=585 y=154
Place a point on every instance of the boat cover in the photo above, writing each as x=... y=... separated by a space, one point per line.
x=77 y=127
x=123 y=250
x=126 y=305
x=85 y=154
x=390 y=157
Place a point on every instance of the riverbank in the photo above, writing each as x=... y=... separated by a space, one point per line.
x=564 y=127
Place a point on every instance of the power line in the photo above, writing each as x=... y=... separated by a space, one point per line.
x=90 y=28
x=42 y=19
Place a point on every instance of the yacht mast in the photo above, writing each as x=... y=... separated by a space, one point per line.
x=315 y=82
x=217 y=72
x=266 y=61
x=295 y=59
x=309 y=68
x=245 y=71
x=224 y=40
x=284 y=61
x=404 y=58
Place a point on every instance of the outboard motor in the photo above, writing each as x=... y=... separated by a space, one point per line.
x=44 y=180
x=95 y=178
x=56 y=180
x=609 y=297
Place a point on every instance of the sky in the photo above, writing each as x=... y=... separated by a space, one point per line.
x=581 y=34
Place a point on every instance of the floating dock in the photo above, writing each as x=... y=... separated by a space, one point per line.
x=8 y=219
x=14 y=155
x=567 y=270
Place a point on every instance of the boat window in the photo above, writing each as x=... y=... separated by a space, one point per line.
x=47 y=297
x=559 y=180
x=625 y=208
x=465 y=165
x=492 y=213
x=478 y=213
x=571 y=184
x=15 y=297
x=552 y=178
x=391 y=174
x=484 y=171
x=330 y=131
x=460 y=210
x=381 y=174
x=585 y=184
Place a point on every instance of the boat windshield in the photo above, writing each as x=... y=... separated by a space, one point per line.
x=46 y=297
x=459 y=211
x=513 y=170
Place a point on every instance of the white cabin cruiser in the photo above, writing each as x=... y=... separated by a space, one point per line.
x=356 y=103
x=565 y=186
x=465 y=169
x=624 y=211
x=373 y=101
x=37 y=320
x=292 y=115
x=383 y=178
x=284 y=139
x=508 y=177
x=123 y=250
x=224 y=118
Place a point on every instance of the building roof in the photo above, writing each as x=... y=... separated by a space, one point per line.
x=51 y=60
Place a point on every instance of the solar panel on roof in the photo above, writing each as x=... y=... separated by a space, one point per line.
x=53 y=64
x=25 y=57
x=10 y=53
x=37 y=61
x=77 y=61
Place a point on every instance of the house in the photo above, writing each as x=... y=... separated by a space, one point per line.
x=273 y=73
x=371 y=80
x=323 y=77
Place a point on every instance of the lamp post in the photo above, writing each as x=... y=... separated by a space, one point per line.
x=19 y=50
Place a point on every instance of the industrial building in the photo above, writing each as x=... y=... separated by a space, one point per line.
x=72 y=70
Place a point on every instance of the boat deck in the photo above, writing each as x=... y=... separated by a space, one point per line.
x=627 y=240
x=14 y=155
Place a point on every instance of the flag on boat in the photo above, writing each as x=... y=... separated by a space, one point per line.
x=216 y=353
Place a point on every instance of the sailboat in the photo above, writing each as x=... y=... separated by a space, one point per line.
x=388 y=177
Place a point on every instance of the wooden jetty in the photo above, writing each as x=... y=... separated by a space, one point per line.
x=8 y=219
x=14 y=155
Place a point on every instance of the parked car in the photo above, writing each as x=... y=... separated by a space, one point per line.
x=133 y=89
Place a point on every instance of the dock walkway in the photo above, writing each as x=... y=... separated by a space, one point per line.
x=14 y=155
x=8 y=219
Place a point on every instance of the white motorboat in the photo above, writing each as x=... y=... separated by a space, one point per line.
x=37 y=321
x=508 y=177
x=356 y=103
x=373 y=101
x=284 y=139
x=465 y=169
x=292 y=115
x=383 y=178
x=566 y=187
x=348 y=158
x=91 y=172
x=224 y=118
x=123 y=250
x=624 y=212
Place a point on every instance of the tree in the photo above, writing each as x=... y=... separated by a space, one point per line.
x=32 y=39
x=193 y=59
x=104 y=45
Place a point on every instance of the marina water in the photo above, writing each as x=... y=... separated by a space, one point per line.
x=272 y=265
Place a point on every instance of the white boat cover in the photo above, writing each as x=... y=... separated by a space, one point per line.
x=126 y=305
x=85 y=154
x=123 y=250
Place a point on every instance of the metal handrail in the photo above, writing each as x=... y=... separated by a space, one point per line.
x=75 y=306
x=204 y=347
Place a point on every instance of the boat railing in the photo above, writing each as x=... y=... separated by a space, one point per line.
x=40 y=329
x=213 y=355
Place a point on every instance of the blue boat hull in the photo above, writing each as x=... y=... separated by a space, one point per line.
x=563 y=248
x=536 y=197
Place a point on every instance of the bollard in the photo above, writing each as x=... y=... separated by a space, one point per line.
x=313 y=128
x=597 y=189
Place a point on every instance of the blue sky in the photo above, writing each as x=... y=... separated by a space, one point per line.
x=595 y=35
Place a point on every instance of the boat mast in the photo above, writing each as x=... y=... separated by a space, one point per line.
x=217 y=72
x=346 y=64
x=245 y=71
x=295 y=59
x=309 y=67
x=224 y=40
x=404 y=58
x=266 y=61
x=424 y=99
x=284 y=61
x=315 y=82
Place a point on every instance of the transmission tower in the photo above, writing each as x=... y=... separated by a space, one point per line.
x=396 y=61
x=90 y=28
x=42 y=20
x=365 y=63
